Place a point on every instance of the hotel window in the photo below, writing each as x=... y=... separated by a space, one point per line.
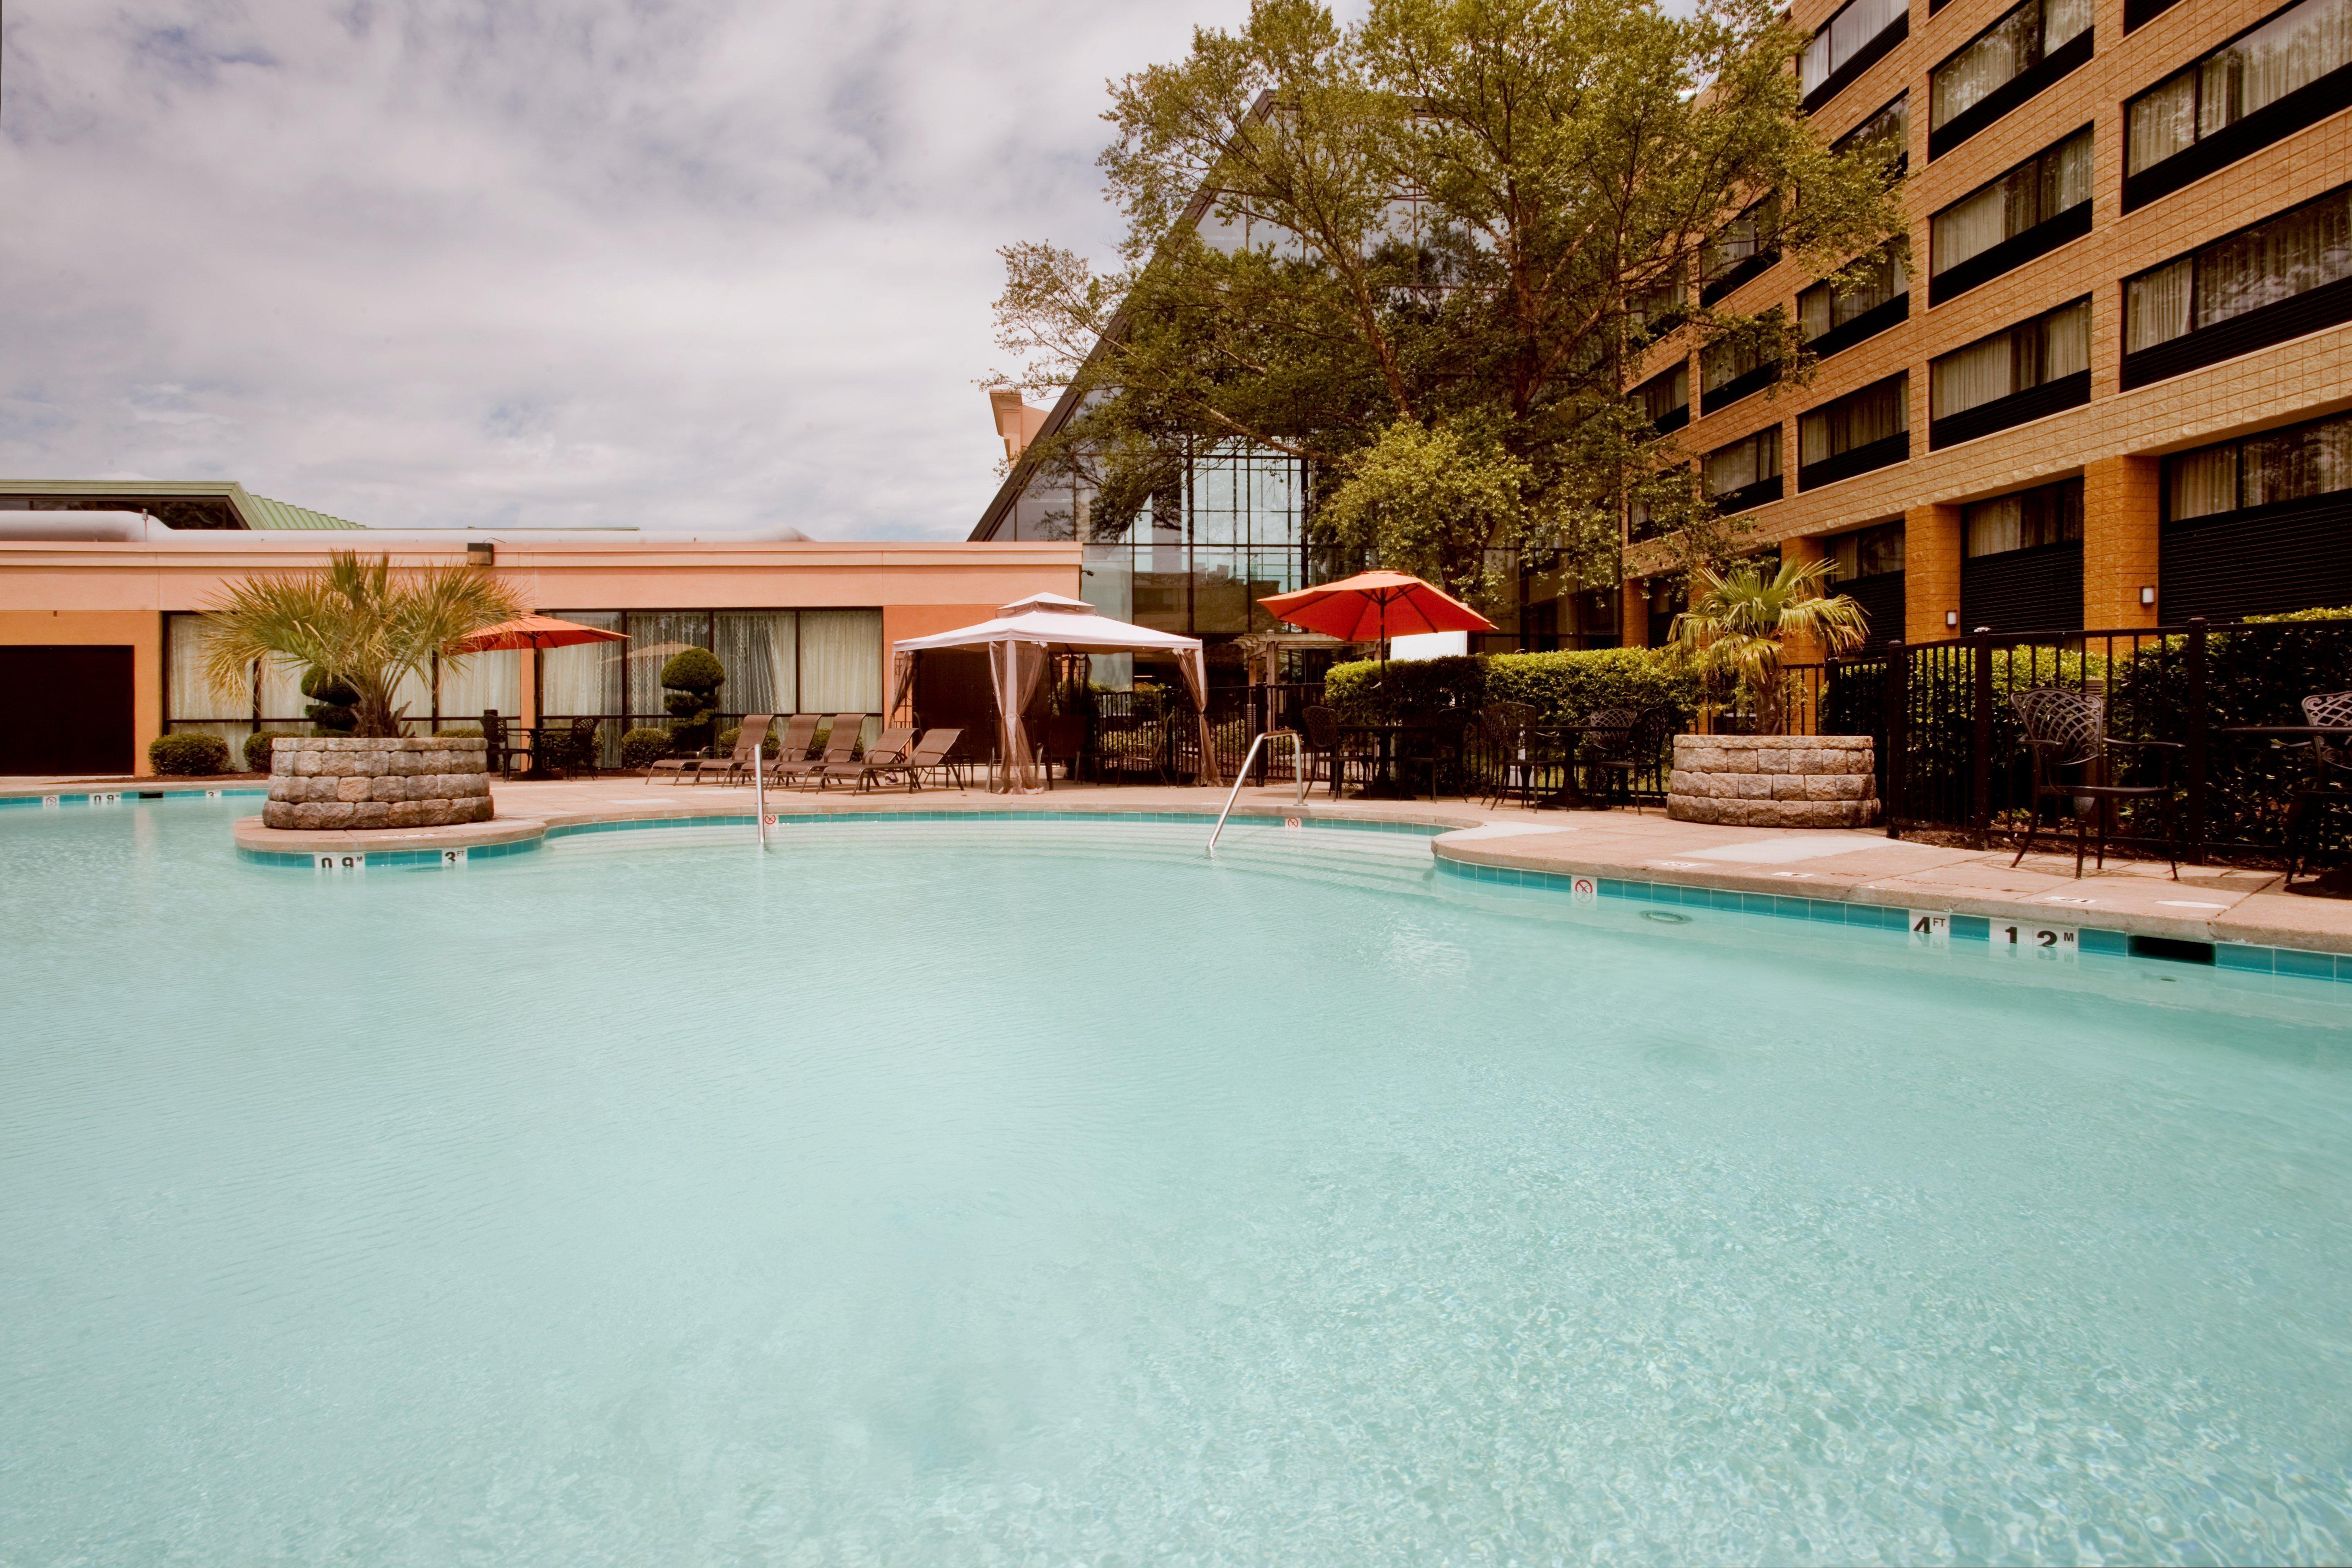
x=1740 y=249
x=1730 y=369
x=1747 y=473
x=1889 y=128
x=2003 y=67
x=2270 y=81
x=1665 y=397
x=2277 y=280
x=2006 y=222
x=1854 y=434
x=2260 y=525
x=1660 y=309
x=1833 y=319
x=2300 y=463
x=1854 y=40
x=1867 y=567
x=2028 y=370
x=2023 y=561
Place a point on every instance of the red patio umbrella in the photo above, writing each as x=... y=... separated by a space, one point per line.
x=531 y=631
x=1377 y=605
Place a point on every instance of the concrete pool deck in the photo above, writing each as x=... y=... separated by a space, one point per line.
x=2209 y=904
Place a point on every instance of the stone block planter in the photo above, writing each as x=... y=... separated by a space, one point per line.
x=418 y=781
x=1774 y=781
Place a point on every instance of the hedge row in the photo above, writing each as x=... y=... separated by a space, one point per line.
x=1564 y=687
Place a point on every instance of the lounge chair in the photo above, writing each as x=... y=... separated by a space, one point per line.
x=929 y=755
x=736 y=767
x=678 y=768
x=889 y=749
x=798 y=739
x=840 y=746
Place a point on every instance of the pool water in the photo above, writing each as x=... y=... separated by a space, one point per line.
x=1014 y=1194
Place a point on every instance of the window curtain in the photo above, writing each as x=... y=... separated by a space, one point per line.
x=485 y=680
x=2012 y=46
x=2062 y=21
x=1874 y=414
x=2161 y=123
x=1744 y=463
x=587 y=679
x=1993 y=526
x=282 y=702
x=654 y=636
x=841 y=661
x=1971 y=227
x=759 y=649
x=187 y=694
x=1972 y=377
x=2065 y=341
x=2200 y=484
x=2157 y=305
x=2291 y=52
x=1843 y=39
x=2291 y=465
x=2292 y=254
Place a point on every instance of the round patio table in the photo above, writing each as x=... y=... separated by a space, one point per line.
x=1385 y=785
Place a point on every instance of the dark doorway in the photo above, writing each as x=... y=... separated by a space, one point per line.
x=66 y=710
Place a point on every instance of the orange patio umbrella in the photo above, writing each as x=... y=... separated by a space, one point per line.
x=531 y=631
x=1377 y=605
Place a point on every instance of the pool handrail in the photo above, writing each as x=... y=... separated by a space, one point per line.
x=1297 y=767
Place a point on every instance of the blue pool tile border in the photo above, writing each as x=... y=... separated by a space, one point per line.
x=2238 y=957
x=125 y=796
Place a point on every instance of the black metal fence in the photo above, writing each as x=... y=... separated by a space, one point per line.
x=1951 y=752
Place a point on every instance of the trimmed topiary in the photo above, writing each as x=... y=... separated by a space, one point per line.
x=257 y=748
x=188 y=756
x=331 y=699
x=641 y=748
x=690 y=677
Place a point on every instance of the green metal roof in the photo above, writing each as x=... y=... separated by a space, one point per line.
x=261 y=512
x=180 y=503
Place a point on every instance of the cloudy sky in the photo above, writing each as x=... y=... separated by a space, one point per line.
x=689 y=264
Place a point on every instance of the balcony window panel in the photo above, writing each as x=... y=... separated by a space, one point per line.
x=1866 y=552
x=2158 y=305
x=2237 y=283
x=2052 y=514
x=2295 y=464
x=1844 y=41
x=1740 y=249
x=2003 y=53
x=1666 y=396
x=1823 y=308
x=1876 y=413
x=2293 y=254
x=1889 y=128
x=841 y=661
x=2051 y=183
x=1721 y=363
x=2049 y=355
x=2202 y=484
x=1745 y=464
x=2275 y=69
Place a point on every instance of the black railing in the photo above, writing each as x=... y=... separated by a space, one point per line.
x=1952 y=755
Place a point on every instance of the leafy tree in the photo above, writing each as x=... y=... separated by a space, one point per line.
x=1439 y=242
x=372 y=626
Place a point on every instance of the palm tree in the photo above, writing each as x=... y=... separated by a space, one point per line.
x=1733 y=631
x=356 y=620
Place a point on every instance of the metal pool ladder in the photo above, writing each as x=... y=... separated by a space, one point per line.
x=1298 y=770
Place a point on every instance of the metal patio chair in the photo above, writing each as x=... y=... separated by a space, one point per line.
x=2066 y=732
x=2329 y=781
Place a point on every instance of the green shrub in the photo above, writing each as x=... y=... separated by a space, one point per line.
x=643 y=747
x=734 y=732
x=257 y=748
x=690 y=678
x=1563 y=687
x=2340 y=614
x=188 y=756
x=331 y=712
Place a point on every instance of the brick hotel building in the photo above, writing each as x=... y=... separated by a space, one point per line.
x=2105 y=382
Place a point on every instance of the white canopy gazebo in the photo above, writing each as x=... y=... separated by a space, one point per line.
x=1021 y=642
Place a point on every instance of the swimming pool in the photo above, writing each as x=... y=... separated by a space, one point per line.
x=948 y=1194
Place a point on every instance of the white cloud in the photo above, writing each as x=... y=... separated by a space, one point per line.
x=719 y=265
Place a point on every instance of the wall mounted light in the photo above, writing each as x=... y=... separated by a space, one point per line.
x=1951 y=619
x=2147 y=598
